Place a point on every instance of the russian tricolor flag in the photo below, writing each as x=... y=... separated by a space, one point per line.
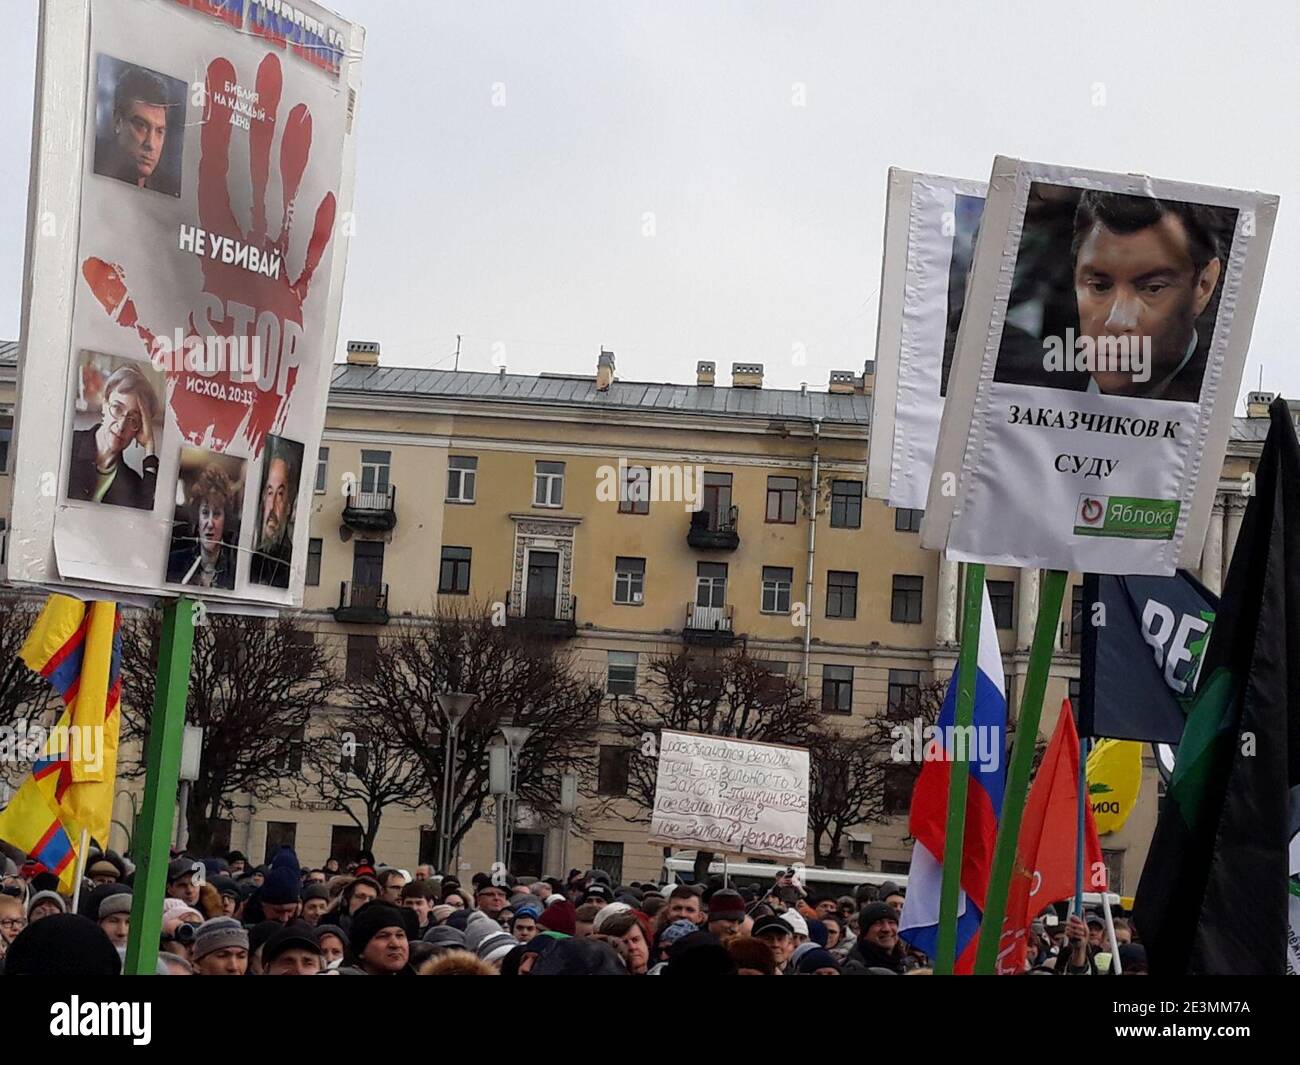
x=927 y=822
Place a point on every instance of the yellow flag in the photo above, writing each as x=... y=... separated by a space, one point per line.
x=1114 y=780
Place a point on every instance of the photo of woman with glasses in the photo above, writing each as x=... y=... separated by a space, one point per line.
x=115 y=459
x=209 y=499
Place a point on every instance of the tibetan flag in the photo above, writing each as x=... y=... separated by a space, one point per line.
x=77 y=647
x=986 y=747
x=1047 y=849
x=1214 y=895
x=31 y=823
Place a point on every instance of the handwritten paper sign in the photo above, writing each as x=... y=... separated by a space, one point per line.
x=732 y=796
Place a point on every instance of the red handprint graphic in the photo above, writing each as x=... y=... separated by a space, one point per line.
x=214 y=408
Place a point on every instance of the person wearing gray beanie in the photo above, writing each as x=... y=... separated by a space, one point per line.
x=444 y=937
x=45 y=904
x=495 y=947
x=221 y=948
x=114 y=915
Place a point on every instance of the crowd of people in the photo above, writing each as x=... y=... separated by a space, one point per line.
x=225 y=917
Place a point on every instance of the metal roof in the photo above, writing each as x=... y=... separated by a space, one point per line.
x=8 y=353
x=622 y=395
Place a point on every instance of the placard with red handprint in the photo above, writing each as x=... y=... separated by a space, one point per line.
x=215 y=152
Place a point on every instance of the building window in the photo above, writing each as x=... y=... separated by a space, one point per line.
x=905 y=603
x=841 y=594
x=629 y=581
x=280 y=834
x=782 y=499
x=846 y=504
x=548 y=485
x=857 y=850
x=837 y=689
x=356 y=754
x=904 y=692
x=608 y=857
x=717 y=499
x=362 y=657
x=462 y=472
x=899 y=781
x=453 y=579
x=621 y=673
x=374 y=471
x=710 y=584
x=615 y=763
x=6 y=436
x=290 y=760
x=776 y=589
x=315 y=546
x=345 y=842
x=1076 y=619
x=322 y=469
x=1001 y=599
x=4 y=539
x=634 y=491
x=908 y=520
x=1114 y=861
x=526 y=854
x=1074 y=694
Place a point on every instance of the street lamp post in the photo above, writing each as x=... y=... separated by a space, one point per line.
x=454 y=707
x=568 y=804
x=515 y=736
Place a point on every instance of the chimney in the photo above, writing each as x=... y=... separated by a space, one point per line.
x=868 y=381
x=363 y=353
x=1257 y=404
x=704 y=373
x=746 y=375
x=843 y=382
x=604 y=370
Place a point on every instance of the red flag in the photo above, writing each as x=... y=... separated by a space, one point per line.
x=1045 y=855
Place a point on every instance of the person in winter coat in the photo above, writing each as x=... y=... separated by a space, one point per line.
x=878 y=945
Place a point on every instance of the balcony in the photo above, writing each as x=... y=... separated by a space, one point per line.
x=714 y=530
x=370 y=511
x=709 y=625
x=362 y=604
x=554 y=616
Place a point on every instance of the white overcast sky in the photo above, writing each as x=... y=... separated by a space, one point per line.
x=522 y=227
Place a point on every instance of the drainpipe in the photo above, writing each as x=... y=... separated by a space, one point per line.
x=812 y=551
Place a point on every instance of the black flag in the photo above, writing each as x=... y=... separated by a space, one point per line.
x=1214 y=892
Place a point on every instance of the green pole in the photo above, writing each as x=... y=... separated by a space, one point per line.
x=1022 y=757
x=162 y=772
x=959 y=777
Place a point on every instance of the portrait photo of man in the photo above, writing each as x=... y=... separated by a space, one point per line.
x=117 y=423
x=205 y=529
x=273 y=544
x=1115 y=294
x=139 y=126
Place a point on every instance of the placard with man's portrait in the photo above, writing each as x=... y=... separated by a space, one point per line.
x=139 y=125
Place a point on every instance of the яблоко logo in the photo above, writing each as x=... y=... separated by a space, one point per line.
x=1091 y=510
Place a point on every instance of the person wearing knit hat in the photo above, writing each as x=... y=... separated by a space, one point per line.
x=294 y=950
x=524 y=927
x=878 y=945
x=560 y=916
x=495 y=947
x=579 y=957
x=64 y=944
x=334 y=944
x=812 y=960
x=605 y=913
x=221 y=948
x=228 y=889
x=45 y=904
x=726 y=913
x=258 y=934
x=699 y=954
x=280 y=896
x=180 y=925
x=113 y=914
x=379 y=941
x=444 y=937
x=237 y=862
x=182 y=880
x=315 y=903
x=478 y=928
x=752 y=956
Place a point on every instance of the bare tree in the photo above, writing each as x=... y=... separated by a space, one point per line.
x=734 y=694
x=362 y=764
x=23 y=694
x=534 y=682
x=255 y=685
x=854 y=772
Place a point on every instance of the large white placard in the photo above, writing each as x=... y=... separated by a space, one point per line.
x=731 y=796
x=930 y=228
x=188 y=223
x=1098 y=362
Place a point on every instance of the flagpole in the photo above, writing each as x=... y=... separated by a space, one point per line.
x=1082 y=799
x=82 y=847
x=162 y=774
x=954 y=835
x=1110 y=929
x=1022 y=757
